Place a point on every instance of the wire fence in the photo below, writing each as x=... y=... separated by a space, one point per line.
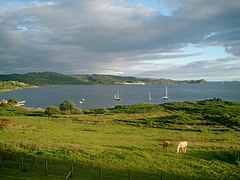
x=34 y=168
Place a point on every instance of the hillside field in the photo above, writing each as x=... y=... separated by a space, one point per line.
x=127 y=137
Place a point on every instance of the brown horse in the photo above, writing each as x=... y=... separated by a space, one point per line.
x=166 y=144
x=182 y=147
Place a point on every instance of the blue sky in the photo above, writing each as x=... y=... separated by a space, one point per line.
x=163 y=6
x=155 y=38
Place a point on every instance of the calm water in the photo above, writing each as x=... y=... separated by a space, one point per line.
x=99 y=96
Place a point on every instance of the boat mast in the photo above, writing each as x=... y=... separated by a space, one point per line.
x=166 y=92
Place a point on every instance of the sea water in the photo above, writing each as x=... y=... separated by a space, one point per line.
x=102 y=96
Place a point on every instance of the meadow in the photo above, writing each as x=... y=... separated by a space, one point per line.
x=127 y=137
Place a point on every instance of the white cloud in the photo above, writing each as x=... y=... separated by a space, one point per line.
x=104 y=36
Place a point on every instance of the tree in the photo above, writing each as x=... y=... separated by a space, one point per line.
x=67 y=105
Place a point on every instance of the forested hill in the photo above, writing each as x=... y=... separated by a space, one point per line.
x=53 y=78
x=111 y=79
x=42 y=78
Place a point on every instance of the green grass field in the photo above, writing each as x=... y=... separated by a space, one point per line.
x=125 y=138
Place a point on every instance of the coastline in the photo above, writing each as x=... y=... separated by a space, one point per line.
x=17 y=88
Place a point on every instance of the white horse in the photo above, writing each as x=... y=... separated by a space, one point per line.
x=182 y=147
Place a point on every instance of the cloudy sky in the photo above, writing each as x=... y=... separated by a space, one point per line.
x=177 y=39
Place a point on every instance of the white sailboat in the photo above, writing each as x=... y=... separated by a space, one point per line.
x=166 y=94
x=149 y=96
x=117 y=96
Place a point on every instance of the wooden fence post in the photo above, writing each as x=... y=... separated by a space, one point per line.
x=161 y=177
x=1 y=161
x=46 y=167
x=129 y=174
x=193 y=177
x=71 y=169
x=22 y=164
x=100 y=173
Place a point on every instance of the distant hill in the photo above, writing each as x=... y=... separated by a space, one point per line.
x=42 y=78
x=105 y=79
x=53 y=78
x=111 y=79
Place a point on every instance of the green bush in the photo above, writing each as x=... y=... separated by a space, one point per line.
x=52 y=110
x=136 y=108
x=12 y=101
x=76 y=111
x=67 y=105
x=235 y=121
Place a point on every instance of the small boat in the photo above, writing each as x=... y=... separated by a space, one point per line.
x=166 y=95
x=20 y=103
x=117 y=96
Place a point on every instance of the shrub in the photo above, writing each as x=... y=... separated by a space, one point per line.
x=4 y=122
x=76 y=111
x=67 y=105
x=52 y=110
x=97 y=111
x=235 y=121
x=12 y=101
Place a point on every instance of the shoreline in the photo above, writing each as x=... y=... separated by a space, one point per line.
x=8 y=90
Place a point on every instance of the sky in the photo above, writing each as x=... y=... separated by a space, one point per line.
x=175 y=39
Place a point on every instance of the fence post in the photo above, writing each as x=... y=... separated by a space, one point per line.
x=129 y=174
x=1 y=161
x=161 y=177
x=100 y=173
x=193 y=177
x=22 y=164
x=46 y=167
x=71 y=169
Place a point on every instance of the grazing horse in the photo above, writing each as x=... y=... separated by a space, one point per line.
x=182 y=147
x=166 y=144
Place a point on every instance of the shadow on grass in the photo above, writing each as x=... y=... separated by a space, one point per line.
x=231 y=155
x=34 y=168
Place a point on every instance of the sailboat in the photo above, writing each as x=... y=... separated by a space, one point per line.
x=149 y=96
x=117 y=96
x=166 y=95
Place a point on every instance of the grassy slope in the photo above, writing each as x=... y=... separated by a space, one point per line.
x=127 y=140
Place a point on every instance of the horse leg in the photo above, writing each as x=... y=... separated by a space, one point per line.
x=177 y=150
x=185 y=149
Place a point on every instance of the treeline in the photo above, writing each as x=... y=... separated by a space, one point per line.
x=53 y=78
